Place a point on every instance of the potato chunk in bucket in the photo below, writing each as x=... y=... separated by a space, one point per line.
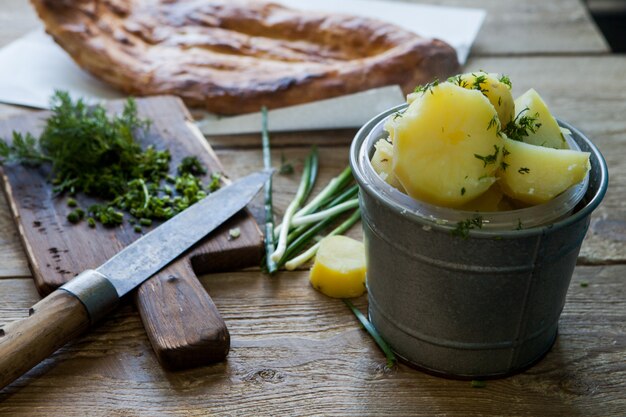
x=447 y=146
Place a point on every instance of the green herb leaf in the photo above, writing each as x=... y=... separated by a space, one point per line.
x=391 y=357
x=463 y=228
x=489 y=159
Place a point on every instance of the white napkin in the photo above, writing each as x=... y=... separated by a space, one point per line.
x=32 y=67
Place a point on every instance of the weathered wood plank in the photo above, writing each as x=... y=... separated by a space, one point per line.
x=511 y=27
x=297 y=352
x=534 y=27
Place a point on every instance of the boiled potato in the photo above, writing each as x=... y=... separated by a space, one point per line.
x=339 y=267
x=447 y=145
x=536 y=174
x=490 y=200
x=495 y=87
x=382 y=163
x=547 y=133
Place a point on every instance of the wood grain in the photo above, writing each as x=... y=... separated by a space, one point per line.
x=297 y=352
x=184 y=326
x=534 y=27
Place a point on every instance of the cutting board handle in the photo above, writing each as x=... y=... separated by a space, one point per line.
x=52 y=323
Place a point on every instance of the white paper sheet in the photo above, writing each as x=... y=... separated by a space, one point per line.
x=32 y=67
x=348 y=111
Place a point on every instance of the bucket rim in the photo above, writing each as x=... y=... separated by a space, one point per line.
x=593 y=198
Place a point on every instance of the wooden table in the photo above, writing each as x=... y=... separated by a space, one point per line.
x=296 y=352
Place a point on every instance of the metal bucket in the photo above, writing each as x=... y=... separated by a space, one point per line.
x=482 y=306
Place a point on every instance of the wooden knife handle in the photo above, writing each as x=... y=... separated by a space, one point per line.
x=52 y=323
x=182 y=322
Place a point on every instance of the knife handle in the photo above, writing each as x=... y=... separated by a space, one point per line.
x=51 y=323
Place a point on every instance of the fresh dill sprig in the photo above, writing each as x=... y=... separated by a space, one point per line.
x=504 y=79
x=99 y=155
x=458 y=80
x=427 y=87
x=494 y=122
x=522 y=125
x=478 y=81
x=23 y=149
x=489 y=159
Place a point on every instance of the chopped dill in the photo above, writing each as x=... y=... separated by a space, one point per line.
x=458 y=80
x=463 y=228
x=494 y=122
x=427 y=87
x=505 y=80
x=489 y=159
x=478 y=81
x=523 y=170
x=521 y=126
x=99 y=155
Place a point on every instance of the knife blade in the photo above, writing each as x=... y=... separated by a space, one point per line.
x=72 y=308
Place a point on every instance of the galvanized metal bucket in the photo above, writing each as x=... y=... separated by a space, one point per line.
x=484 y=306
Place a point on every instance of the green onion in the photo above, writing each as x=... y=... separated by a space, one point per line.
x=269 y=210
x=309 y=253
x=344 y=196
x=391 y=358
x=334 y=185
x=303 y=189
x=321 y=215
x=307 y=232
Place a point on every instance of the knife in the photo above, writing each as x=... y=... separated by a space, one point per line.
x=87 y=298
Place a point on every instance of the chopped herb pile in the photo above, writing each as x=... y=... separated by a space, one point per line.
x=522 y=125
x=98 y=155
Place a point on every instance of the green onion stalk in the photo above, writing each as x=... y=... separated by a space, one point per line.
x=309 y=253
x=303 y=190
x=334 y=185
x=391 y=358
x=269 y=210
x=300 y=236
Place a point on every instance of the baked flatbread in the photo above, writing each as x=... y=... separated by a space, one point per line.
x=232 y=57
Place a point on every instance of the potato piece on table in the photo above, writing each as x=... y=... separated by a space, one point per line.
x=447 y=146
x=339 y=267
x=536 y=174
x=547 y=132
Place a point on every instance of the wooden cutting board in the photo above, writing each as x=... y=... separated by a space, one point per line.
x=183 y=324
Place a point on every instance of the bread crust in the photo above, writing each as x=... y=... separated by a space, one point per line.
x=232 y=57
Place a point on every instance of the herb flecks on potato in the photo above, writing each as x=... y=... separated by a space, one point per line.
x=444 y=154
x=536 y=174
x=465 y=143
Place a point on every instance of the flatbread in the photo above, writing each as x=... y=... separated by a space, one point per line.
x=232 y=57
